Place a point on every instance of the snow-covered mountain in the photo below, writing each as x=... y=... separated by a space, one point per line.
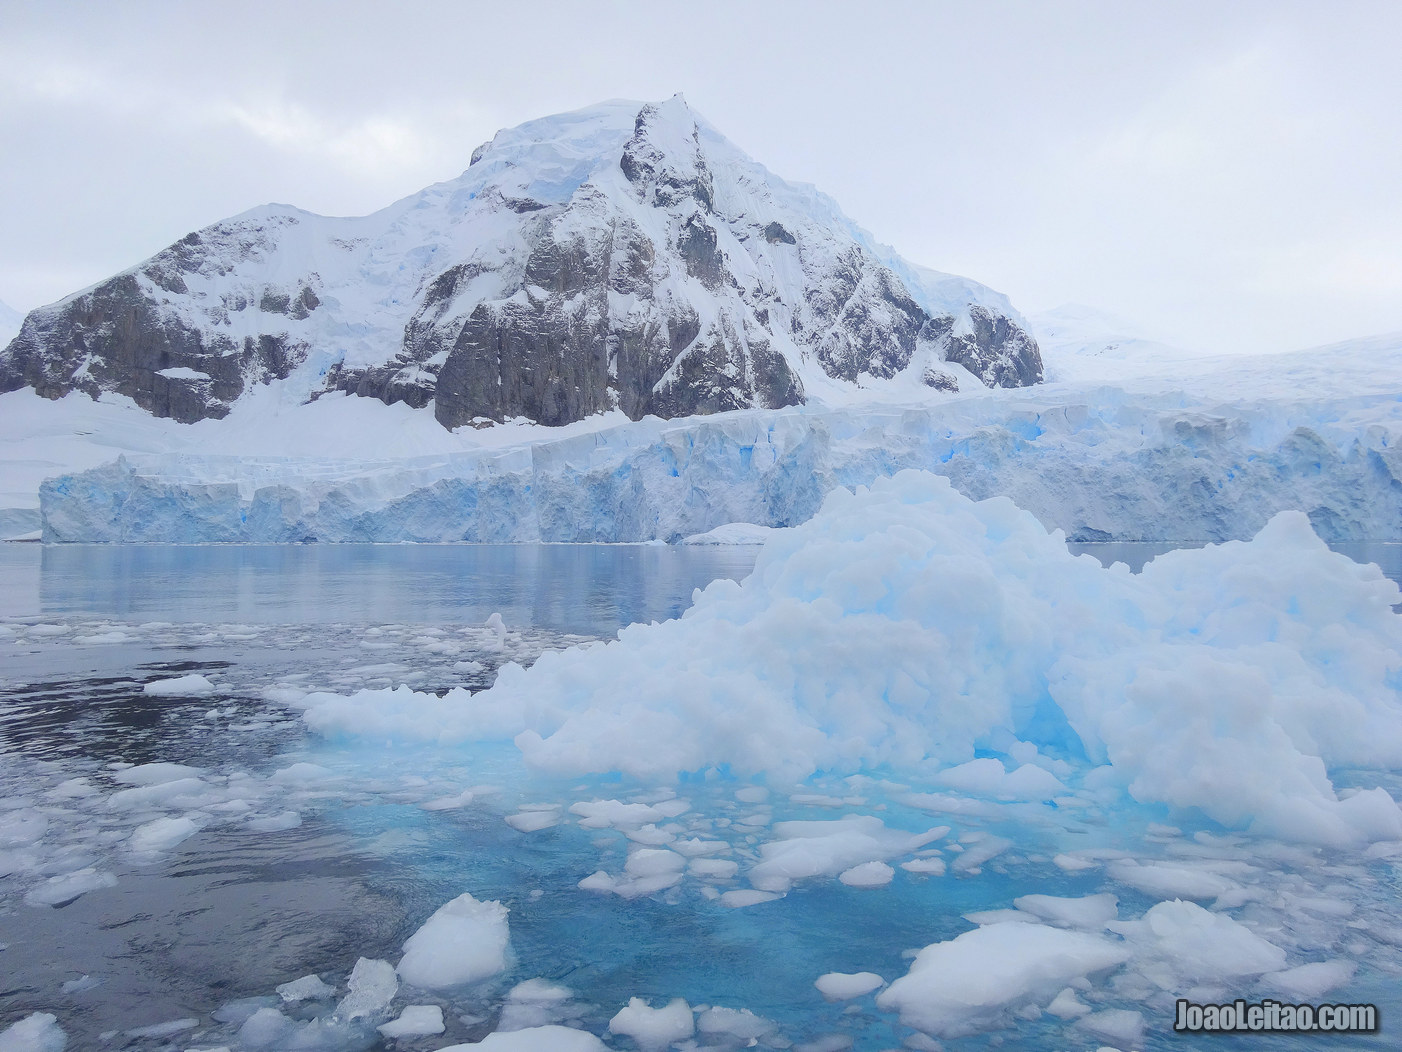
x=624 y=256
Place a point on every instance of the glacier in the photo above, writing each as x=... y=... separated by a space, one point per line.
x=1113 y=465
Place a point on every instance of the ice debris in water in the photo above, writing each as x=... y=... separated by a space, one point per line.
x=843 y=986
x=415 y=1021
x=973 y=982
x=906 y=625
x=307 y=988
x=654 y=1028
x=535 y=1039
x=37 y=1032
x=193 y=685
x=372 y=986
x=464 y=941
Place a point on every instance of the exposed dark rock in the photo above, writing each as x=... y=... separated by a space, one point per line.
x=775 y=234
x=939 y=380
x=998 y=351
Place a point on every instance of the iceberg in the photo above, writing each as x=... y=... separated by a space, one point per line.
x=908 y=628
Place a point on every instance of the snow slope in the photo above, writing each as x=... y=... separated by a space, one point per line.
x=1084 y=343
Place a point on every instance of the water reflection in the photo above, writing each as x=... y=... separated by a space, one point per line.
x=584 y=588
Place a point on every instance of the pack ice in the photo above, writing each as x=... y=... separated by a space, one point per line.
x=907 y=628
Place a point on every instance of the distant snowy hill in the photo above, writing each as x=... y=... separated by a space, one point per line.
x=10 y=320
x=622 y=257
x=1082 y=343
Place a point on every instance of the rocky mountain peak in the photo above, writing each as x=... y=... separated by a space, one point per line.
x=625 y=256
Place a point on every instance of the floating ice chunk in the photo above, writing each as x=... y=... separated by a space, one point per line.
x=713 y=868
x=72 y=789
x=535 y=1039
x=604 y=814
x=739 y=1024
x=156 y=774
x=173 y=1026
x=1072 y=863
x=372 y=986
x=104 y=638
x=843 y=986
x=654 y=1029
x=68 y=886
x=160 y=835
x=36 y=1032
x=632 y=887
x=1066 y=1005
x=193 y=685
x=535 y=1002
x=742 y=897
x=1115 y=1024
x=464 y=941
x=653 y=862
x=22 y=827
x=980 y=848
x=732 y=533
x=650 y=836
x=497 y=627
x=1089 y=912
x=300 y=774
x=415 y=1021
x=533 y=820
x=307 y=988
x=78 y=986
x=266 y=1028
x=184 y=793
x=1196 y=945
x=867 y=875
x=451 y=802
x=930 y=867
x=539 y=991
x=1177 y=881
x=1309 y=981
x=810 y=849
x=973 y=982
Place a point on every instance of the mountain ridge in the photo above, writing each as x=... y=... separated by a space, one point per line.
x=624 y=256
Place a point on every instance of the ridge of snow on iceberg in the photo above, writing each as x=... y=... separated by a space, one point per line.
x=906 y=627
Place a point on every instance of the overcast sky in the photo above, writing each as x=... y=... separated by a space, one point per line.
x=1229 y=176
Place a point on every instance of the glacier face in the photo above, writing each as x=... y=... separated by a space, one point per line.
x=625 y=256
x=1113 y=466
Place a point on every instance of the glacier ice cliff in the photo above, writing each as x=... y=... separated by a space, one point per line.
x=1107 y=465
